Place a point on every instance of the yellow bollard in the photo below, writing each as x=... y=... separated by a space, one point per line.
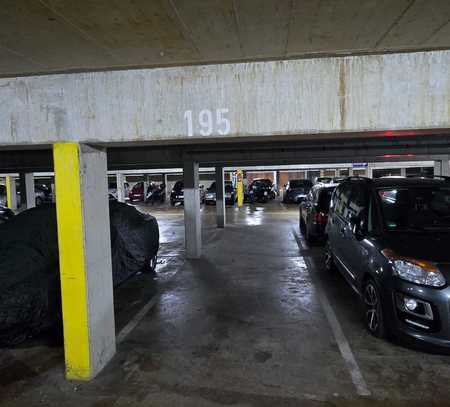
x=240 y=189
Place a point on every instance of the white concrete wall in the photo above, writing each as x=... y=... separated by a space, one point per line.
x=378 y=92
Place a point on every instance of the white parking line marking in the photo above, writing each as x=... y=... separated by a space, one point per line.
x=134 y=322
x=344 y=347
x=298 y=240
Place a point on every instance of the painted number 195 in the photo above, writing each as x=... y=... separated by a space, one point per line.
x=208 y=125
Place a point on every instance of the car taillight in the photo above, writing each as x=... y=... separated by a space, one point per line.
x=321 y=218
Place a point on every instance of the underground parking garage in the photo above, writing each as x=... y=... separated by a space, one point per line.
x=238 y=303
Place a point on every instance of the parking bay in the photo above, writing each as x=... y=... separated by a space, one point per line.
x=251 y=323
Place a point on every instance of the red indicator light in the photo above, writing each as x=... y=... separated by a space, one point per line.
x=397 y=155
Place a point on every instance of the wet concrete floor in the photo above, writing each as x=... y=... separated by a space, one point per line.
x=256 y=322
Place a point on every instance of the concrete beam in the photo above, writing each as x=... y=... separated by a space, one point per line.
x=220 y=198
x=288 y=151
x=192 y=224
x=85 y=259
x=407 y=91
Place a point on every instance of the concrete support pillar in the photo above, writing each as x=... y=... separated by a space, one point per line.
x=350 y=172
x=275 y=180
x=167 y=190
x=240 y=188
x=192 y=225
x=403 y=172
x=22 y=192
x=442 y=167
x=120 y=181
x=11 y=192
x=369 y=171
x=84 y=258
x=220 y=198
x=30 y=194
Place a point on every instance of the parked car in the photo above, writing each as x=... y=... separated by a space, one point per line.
x=313 y=212
x=5 y=214
x=177 y=194
x=260 y=190
x=137 y=193
x=390 y=238
x=338 y=180
x=323 y=180
x=230 y=194
x=296 y=190
x=43 y=194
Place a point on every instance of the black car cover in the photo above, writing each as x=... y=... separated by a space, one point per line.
x=29 y=265
x=5 y=214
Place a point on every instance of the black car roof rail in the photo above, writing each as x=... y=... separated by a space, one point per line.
x=446 y=178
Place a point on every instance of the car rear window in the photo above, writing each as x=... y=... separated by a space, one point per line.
x=324 y=199
x=300 y=183
x=415 y=207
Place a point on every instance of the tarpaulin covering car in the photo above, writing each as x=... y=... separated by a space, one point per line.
x=29 y=265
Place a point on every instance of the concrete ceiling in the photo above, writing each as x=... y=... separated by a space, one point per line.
x=39 y=36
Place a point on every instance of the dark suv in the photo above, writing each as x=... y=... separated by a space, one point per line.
x=390 y=238
x=261 y=190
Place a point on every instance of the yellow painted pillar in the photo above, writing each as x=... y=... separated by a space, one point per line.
x=240 y=189
x=11 y=194
x=84 y=258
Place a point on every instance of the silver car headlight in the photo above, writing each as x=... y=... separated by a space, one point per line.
x=416 y=271
x=210 y=196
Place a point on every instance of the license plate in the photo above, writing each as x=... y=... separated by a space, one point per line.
x=265 y=193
